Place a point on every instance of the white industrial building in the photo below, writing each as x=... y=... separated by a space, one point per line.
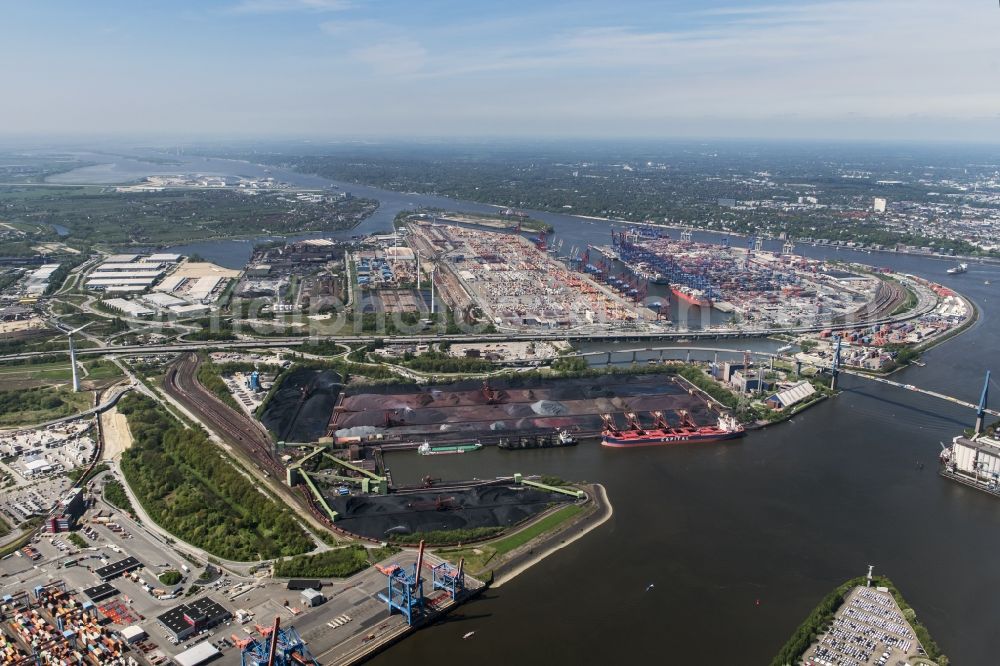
x=977 y=458
x=161 y=300
x=203 y=287
x=190 y=310
x=791 y=395
x=128 y=308
x=164 y=257
x=199 y=654
x=171 y=283
x=114 y=275
x=122 y=258
x=38 y=279
x=312 y=598
x=114 y=267
x=109 y=283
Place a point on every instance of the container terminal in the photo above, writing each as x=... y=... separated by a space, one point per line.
x=780 y=288
x=517 y=284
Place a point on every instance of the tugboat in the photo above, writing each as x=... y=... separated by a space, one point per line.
x=663 y=433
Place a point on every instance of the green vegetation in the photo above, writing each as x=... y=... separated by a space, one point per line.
x=102 y=370
x=114 y=494
x=697 y=376
x=5 y=527
x=78 y=477
x=171 y=577
x=436 y=537
x=566 y=365
x=176 y=215
x=28 y=527
x=478 y=557
x=209 y=377
x=442 y=362
x=47 y=369
x=77 y=540
x=190 y=489
x=337 y=563
x=37 y=405
x=821 y=617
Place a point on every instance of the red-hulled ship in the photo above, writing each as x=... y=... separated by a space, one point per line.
x=691 y=295
x=663 y=433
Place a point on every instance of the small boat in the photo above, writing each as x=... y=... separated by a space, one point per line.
x=468 y=635
x=958 y=270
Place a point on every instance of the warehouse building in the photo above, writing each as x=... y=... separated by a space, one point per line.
x=792 y=395
x=113 y=284
x=188 y=619
x=312 y=598
x=202 y=653
x=116 y=569
x=171 y=283
x=128 y=308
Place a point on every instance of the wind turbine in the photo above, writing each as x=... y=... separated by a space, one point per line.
x=72 y=356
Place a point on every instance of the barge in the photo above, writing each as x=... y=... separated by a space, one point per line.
x=426 y=449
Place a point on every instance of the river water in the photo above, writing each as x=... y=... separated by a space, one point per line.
x=781 y=517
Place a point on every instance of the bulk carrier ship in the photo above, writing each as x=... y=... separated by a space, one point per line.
x=663 y=433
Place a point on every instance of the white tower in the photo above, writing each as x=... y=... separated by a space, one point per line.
x=72 y=357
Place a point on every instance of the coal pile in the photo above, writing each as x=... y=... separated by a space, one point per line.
x=381 y=516
x=300 y=409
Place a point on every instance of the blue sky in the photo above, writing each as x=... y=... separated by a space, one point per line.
x=919 y=69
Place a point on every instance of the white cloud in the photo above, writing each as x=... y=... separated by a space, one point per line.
x=392 y=58
x=280 y=6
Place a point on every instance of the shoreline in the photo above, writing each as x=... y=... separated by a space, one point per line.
x=526 y=556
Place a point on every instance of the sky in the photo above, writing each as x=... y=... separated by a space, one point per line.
x=833 y=69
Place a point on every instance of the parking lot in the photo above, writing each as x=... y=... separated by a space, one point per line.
x=868 y=630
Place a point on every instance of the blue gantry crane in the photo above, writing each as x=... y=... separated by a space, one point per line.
x=449 y=578
x=405 y=591
x=279 y=647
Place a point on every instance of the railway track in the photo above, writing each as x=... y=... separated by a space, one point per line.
x=250 y=442
x=181 y=383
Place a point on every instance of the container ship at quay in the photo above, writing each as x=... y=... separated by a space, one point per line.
x=663 y=433
x=690 y=295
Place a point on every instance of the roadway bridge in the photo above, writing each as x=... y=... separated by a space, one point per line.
x=430 y=337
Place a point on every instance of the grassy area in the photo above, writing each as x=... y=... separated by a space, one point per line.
x=447 y=536
x=171 y=577
x=337 y=563
x=52 y=371
x=103 y=370
x=78 y=540
x=40 y=404
x=479 y=557
x=5 y=527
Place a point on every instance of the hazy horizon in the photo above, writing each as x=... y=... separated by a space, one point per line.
x=235 y=69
